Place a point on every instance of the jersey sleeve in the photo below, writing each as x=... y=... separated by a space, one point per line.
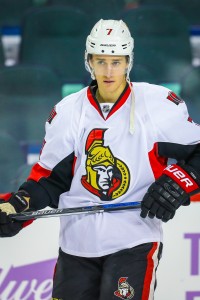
x=170 y=117
x=177 y=134
x=52 y=175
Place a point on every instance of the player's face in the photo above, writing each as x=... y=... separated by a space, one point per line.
x=109 y=71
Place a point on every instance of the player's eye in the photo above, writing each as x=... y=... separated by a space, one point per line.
x=100 y=62
x=116 y=63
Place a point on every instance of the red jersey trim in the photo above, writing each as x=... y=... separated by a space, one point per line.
x=73 y=165
x=195 y=198
x=149 y=272
x=27 y=223
x=5 y=196
x=38 y=172
x=116 y=105
x=158 y=163
x=93 y=102
x=119 y=102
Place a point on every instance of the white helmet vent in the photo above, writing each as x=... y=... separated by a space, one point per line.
x=92 y=45
x=124 y=46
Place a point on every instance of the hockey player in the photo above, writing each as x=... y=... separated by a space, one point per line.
x=110 y=143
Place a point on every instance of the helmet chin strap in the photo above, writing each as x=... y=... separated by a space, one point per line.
x=132 y=110
x=92 y=74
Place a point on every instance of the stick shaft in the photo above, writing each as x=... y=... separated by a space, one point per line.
x=24 y=216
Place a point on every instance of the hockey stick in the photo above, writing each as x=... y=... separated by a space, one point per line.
x=24 y=216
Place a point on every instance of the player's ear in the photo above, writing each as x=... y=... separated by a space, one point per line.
x=90 y=60
x=127 y=63
x=90 y=64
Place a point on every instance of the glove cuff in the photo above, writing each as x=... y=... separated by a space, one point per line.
x=20 y=201
x=184 y=177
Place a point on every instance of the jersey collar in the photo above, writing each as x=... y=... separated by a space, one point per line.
x=91 y=91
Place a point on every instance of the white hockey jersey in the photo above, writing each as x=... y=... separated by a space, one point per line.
x=110 y=164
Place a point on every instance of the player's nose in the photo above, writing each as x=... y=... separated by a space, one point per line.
x=108 y=71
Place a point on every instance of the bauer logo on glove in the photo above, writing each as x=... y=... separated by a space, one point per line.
x=181 y=177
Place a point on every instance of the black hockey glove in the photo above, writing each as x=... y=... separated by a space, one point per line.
x=12 y=204
x=169 y=192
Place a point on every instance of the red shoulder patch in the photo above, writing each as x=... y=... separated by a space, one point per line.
x=52 y=115
x=174 y=98
x=191 y=121
x=43 y=144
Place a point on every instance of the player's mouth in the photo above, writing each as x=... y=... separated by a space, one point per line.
x=108 y=81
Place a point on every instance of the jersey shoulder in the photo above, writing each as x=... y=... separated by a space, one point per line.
x=67 y=108
x=158 y=97
x=160 y=103
x=158 y=92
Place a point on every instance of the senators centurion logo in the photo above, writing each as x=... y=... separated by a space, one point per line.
x=106 y=176
x=125 y=291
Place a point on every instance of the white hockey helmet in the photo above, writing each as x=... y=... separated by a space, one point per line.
x=110 y=37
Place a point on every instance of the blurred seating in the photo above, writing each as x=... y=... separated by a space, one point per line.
x=95 y=9
x=11 y=158
x=131 y=4
x=190 y=9
x=190 y=92
x=21 y=175
x=11 y=11
x=55 y=37
x=141 y=73
x=161 y=41
x=69 y=88
x=27 y=95
x=2 y=57
x=103 y=9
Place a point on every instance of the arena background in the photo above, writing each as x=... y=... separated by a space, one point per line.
x=41 y=61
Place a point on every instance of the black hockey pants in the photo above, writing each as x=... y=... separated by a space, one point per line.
x=127 y=274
